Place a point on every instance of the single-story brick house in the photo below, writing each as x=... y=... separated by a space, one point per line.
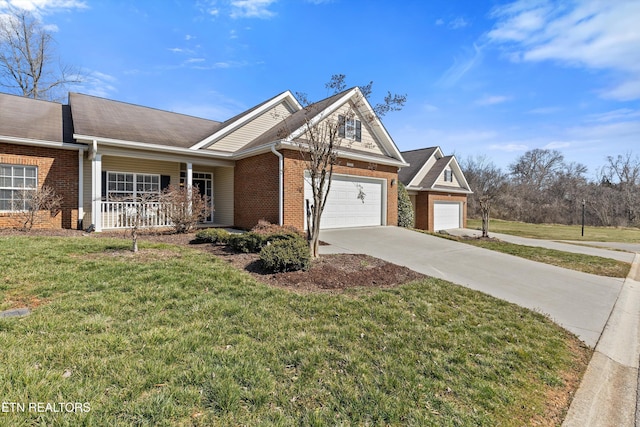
x=94 y=151
x=437 y=188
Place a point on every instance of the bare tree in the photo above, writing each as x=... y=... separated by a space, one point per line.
x=321 y=139
x=487 y=182
x=31 y=202
x=185 y=207
x=623 y=174
x=27 y=61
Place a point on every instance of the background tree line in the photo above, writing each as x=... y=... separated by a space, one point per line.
x=542 y=187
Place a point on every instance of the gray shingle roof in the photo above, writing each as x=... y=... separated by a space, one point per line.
x=28 y=118
x=416 y=159
x=93 y=116
x=293 y=122
x=432 y=176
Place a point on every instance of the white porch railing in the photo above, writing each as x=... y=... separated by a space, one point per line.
x=123 y=215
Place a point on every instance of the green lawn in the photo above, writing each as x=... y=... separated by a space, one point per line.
x=172 y=336
x=579 y=262
x=560 y=232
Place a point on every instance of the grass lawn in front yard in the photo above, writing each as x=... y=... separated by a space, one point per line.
x=174 y=336
x=586 y=263
x=560 y=232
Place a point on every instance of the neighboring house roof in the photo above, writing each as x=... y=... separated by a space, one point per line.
x=416 y=159
x=427 y=166
x=99 y=117
x=34 y=119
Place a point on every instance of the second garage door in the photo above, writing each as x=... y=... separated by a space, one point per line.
x=353 y=201
x=446 y=215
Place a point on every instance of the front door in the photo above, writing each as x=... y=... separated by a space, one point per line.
x=204 y=182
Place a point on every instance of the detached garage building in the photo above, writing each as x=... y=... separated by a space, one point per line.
x=437 y=188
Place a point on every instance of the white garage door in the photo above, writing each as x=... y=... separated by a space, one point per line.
x=353 y=202
x=446 y=216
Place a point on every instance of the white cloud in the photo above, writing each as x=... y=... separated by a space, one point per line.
x=510 y=147
x=555 y=145
x=439 y=21
x=194 y=60
x=460 y=67
x=252 y=9
x=592 y=34
x=545 y=110
x=97 y=84
x=492 y=100
x=36 y=6
x=621 y=114
x=189 y=37
x=458 y=23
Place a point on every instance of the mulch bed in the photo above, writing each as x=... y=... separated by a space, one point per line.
x=328 y=273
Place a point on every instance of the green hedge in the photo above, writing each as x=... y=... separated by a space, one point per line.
x=213 y=235
x=286 y=255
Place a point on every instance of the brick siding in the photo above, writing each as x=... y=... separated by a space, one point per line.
x=294 y=185
x=256 y=188
x=424 y=207
x=57 y=169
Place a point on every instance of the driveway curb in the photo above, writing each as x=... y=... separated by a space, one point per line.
x=607 y=395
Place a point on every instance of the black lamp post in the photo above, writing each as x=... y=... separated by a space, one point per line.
x=583 y=204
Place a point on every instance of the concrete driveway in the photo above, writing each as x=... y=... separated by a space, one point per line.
x=579 y=302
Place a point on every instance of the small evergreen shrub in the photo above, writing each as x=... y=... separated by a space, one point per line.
x=218 y=236
x=286 y=255
x=405 y=209
x=265 y=227
x=247 y=242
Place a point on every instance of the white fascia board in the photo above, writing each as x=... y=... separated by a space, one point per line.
x=378 y=128
x=422 y=172
x=284 y=97
x=322 y=115
x=459 y=173
x=354 y=156
x=155 y=147
x=448 y=190
x=40 y=143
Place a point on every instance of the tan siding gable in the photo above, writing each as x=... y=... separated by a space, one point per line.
x=223 y=196
x=454 y=184
x=368 y=144
x=238 y=138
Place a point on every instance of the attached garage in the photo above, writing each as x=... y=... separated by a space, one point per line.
x=447 y=215
x=353 y=201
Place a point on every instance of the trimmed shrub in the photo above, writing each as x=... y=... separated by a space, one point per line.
x=247 y=242
x=286 y=255
x=405 y=209
x=265 y=227
x=213 y=235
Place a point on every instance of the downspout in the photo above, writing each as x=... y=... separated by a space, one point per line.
x=280 y=183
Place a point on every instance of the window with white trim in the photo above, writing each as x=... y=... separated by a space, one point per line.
x=448 y=175
x=123 y=185
x=350 y=128
x=14 y=180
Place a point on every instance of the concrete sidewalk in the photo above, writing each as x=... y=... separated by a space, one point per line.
x=550 y=244
x=608 y=394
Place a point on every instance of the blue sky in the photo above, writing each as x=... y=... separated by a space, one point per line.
x=494 y=78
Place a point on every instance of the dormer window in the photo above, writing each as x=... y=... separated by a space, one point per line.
x=448 y=175
x=350 y=128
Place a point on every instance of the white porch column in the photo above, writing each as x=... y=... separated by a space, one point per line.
x=96 y=191
x=80 y=187
x=189 y=182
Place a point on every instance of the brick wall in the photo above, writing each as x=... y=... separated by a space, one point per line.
x=57 y=169
x=255 y=191
x=294 y=185
x=424 y=207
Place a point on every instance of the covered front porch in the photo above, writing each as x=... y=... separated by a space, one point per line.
x=122 y=188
